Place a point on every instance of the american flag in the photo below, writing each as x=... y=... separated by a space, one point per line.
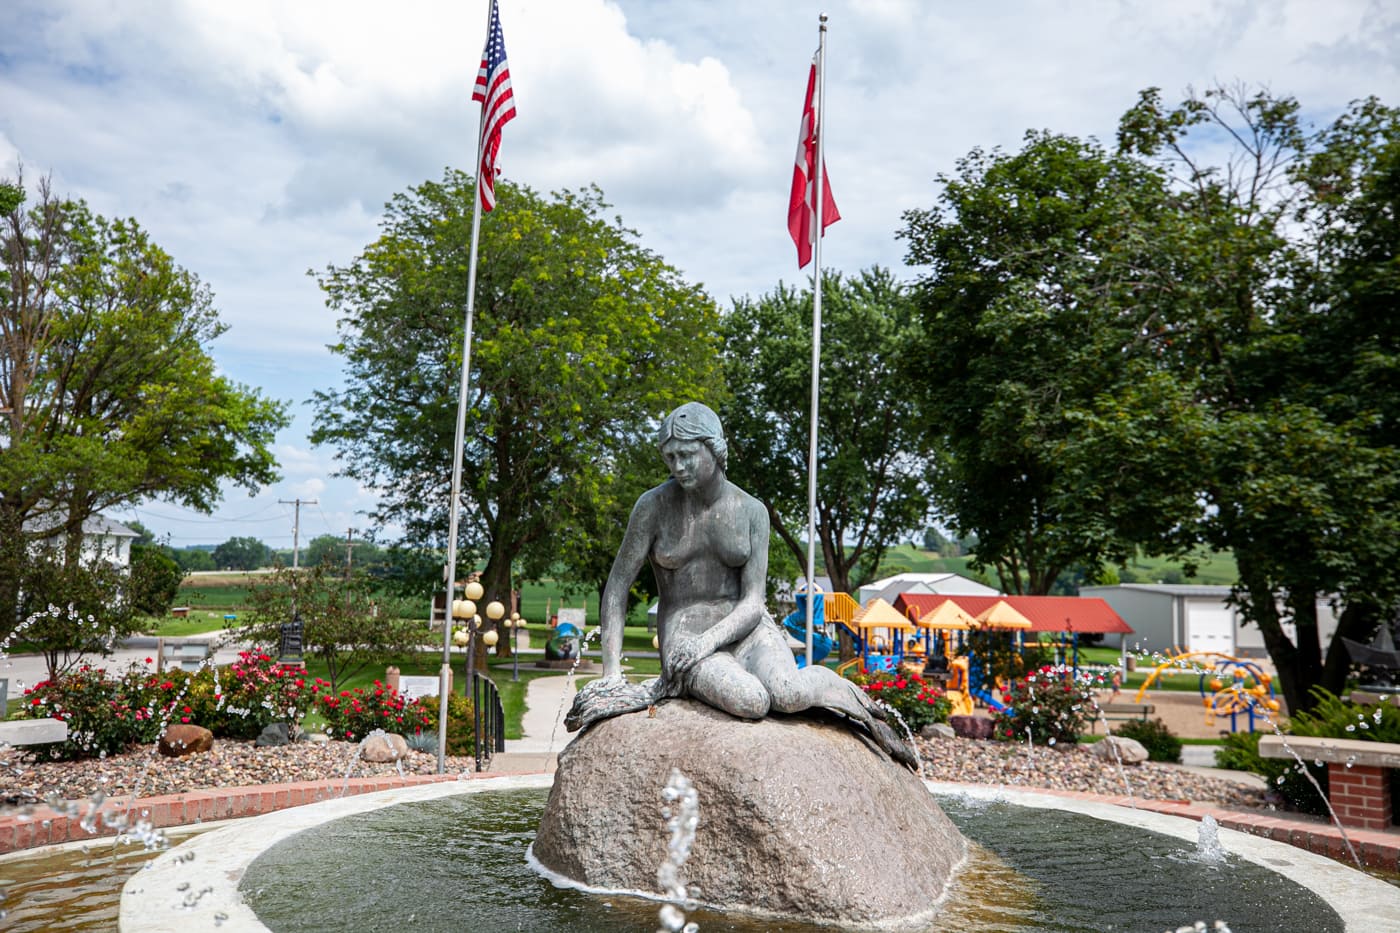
x=497 y=105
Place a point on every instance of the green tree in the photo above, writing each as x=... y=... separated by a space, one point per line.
x=1156 y=351
x=241 y=553
x=582 y=339
x=155 y=579
x=108 y=392
x=341 y=622
x=69 y=608
x=1288 y=363
x=1036 y=262
x=193 y=559
x=871 y=448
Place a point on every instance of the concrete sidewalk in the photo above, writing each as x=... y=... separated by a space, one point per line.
x=547 y=700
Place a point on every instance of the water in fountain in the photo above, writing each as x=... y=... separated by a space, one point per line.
x=1030 y=876
x=682 y=812
x=1208 y=846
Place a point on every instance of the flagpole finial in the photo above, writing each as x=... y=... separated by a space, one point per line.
x=822 y=18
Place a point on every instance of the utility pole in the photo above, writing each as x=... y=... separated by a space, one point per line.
x=296 y=526
x=350 y=545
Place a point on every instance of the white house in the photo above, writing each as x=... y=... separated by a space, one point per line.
x=1168 y=616
x=102 y=537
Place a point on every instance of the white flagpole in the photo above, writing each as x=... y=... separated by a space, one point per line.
x=816 y=342
x=459 y=441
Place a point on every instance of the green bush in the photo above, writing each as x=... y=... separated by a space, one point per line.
x=1334 y=718
x=252 y=693
x=1154 y=736
x=107 y=715
x=1047 y=706
x=461 y=728
x=1330 y=717
x=918 y=703
x=1286 y=777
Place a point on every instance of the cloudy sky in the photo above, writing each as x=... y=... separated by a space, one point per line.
x=258 y=140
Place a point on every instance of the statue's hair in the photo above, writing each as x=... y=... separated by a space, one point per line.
x=696 y=422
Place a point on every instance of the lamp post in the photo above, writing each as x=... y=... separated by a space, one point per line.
x=513 y=624
x=464 y=610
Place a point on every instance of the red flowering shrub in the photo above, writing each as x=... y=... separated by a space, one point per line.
x=107 y=715
x=104 y=715
x=353 y=714
x=239 y=701
x=1047 y=706
x=918 y=703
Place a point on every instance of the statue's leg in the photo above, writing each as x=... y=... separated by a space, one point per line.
x=722 y=682
x=765 y=653
x=795 y=689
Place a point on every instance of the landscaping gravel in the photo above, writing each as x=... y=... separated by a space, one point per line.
x=235 y=764
x=229 y=764
x=1074 y=768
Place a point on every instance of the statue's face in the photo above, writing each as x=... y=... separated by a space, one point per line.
x=691 y=463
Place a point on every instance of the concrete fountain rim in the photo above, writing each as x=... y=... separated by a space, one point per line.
x=214 y=862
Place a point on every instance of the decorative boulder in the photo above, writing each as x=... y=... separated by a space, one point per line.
x=971 y=727
x=279 y=733
x=798 y=817
x=1116 y=748
x=382 y=747
x=937 y=730
x=181 y=740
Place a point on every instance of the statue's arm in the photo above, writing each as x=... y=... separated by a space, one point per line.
x=636 y=544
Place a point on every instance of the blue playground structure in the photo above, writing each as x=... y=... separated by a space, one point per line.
x=796 y=626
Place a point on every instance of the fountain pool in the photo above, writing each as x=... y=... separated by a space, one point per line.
x=453 y=856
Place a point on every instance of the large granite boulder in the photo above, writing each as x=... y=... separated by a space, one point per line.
x=1119 y=748
x=182 y=739
x=798 y=818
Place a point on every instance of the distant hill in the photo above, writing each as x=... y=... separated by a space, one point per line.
x=1213 y=569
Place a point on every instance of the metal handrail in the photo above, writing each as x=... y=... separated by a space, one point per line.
x=489 y=733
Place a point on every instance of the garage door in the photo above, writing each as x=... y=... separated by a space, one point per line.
x=1210 y=629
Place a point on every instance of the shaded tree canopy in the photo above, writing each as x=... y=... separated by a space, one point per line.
x=1150 y=350
x=583 y=338
x=871 y=449
x=108 y=393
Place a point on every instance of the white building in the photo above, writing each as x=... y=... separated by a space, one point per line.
x=937 y=584
x=1167 y=617
x=102 y=538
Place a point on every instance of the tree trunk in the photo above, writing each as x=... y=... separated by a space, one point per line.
x=1261 y=609
x=1358 y=622
x=496 y=582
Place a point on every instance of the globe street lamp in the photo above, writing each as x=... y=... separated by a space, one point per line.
x=513 y=625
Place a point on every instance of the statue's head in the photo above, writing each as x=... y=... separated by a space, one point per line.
x=696 y=422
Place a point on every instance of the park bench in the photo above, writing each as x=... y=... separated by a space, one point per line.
x=1122 y=713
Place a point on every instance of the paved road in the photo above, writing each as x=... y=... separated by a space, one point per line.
x=26 y=670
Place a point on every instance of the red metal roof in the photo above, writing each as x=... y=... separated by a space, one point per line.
x=1087 y=614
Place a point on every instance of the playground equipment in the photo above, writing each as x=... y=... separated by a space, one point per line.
x=1238 y=696
x=885 y=640
x=796 y=626
x=882 y=637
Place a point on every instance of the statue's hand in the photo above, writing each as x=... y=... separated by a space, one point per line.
x=688 y=653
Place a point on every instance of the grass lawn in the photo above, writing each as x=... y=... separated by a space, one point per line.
x=196 y=623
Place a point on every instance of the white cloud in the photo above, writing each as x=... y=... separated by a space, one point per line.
x=259 y=139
